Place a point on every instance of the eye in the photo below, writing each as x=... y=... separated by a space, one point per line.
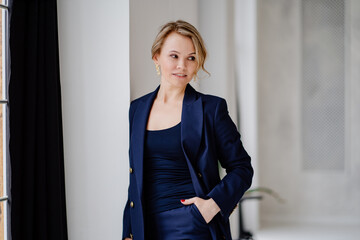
x=174 y=56
x=192 y=58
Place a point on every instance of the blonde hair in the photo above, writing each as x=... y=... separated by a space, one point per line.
x=185 y=29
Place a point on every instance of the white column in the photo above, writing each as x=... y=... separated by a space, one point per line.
x=246 y=78
x=94 y=69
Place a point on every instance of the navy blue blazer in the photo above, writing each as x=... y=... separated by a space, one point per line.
x=208 y=135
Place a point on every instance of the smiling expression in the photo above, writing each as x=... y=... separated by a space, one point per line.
x=177 y=60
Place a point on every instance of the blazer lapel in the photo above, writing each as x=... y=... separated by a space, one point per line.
x=191 y=132
x=138 y=136
x=191 y=123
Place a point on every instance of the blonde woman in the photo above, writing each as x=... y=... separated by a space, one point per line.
x=177 y=137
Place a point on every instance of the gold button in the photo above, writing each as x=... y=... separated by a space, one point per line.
x=199 y=174
x=131 y=170
x=132 y=204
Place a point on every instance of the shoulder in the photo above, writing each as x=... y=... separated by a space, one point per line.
x=212 y=106
x=144 y=98
x=140 y=99
x=137 y=102
x=134 y=103
x=212 y=102
x=211 y=99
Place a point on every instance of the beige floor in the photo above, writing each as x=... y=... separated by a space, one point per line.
x=288 y=231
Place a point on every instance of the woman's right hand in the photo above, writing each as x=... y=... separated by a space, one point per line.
x=127 y=239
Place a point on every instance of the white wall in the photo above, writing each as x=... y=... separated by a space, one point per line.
x=94 y=68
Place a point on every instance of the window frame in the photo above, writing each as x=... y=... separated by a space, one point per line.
x=5 y=110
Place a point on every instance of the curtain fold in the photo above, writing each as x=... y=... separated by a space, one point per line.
x=37 y=197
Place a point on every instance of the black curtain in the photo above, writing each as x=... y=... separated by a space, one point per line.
x=37 y=200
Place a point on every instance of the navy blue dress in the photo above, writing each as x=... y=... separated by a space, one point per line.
x=167 y=180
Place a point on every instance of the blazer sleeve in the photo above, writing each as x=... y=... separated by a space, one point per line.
x=233 y=158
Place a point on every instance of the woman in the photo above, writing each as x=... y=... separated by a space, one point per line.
x=177 y=137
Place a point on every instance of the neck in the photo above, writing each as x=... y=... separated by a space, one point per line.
x=168 y=93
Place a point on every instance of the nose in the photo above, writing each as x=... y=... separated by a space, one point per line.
x=181 y=64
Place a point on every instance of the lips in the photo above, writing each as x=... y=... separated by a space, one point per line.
x=180 y=74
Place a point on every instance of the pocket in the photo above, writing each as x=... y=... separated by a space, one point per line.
x=197 y=214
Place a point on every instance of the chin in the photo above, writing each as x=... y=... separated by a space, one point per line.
x=180 y=83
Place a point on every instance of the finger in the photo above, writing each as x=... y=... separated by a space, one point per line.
x=188 y=201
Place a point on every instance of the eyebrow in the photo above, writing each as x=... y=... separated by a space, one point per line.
x=178 y=52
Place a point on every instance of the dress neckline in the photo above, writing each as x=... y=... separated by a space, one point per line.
x=165 y=129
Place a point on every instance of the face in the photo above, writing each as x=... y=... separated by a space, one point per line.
x=176 y=60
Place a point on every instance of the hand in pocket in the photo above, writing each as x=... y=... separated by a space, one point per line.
x=208 y=208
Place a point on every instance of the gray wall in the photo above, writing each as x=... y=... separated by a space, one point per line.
x=310 y=195
x=94 y=69
x=216 y=24
x=353 y=112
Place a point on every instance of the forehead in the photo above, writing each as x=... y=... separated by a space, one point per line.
x=178 y=42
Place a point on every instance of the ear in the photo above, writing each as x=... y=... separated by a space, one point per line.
x=155 y=59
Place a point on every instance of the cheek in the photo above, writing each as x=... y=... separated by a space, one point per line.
x=168 y=66
x=194 y=68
